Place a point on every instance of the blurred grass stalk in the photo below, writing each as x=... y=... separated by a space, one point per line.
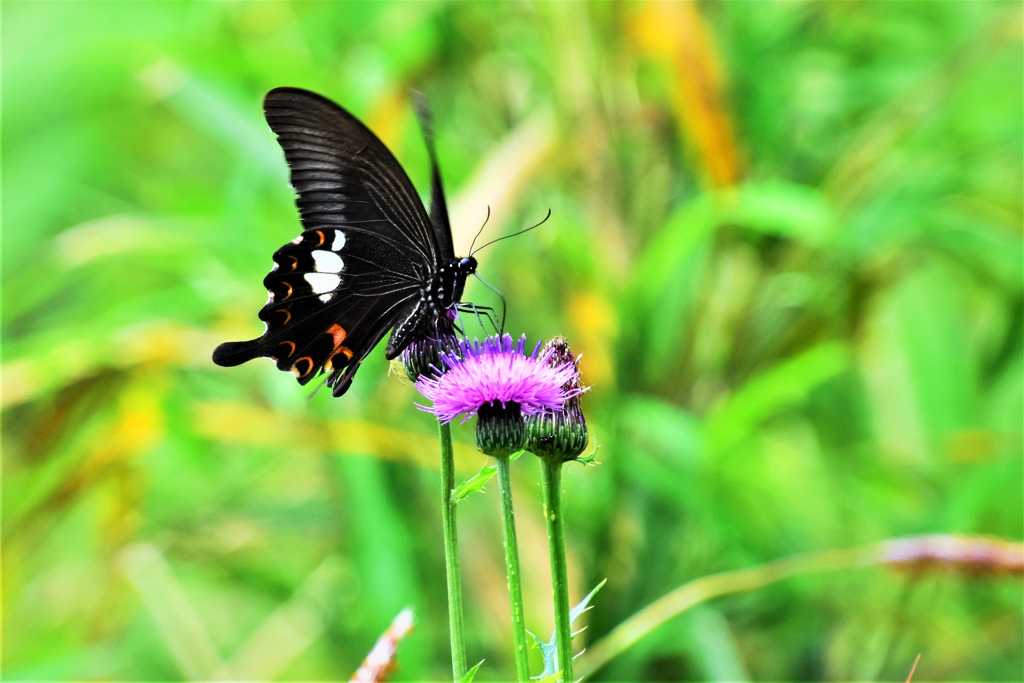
x=970 y=554
x=273 y=646
x=177 y=621
x=381 y=659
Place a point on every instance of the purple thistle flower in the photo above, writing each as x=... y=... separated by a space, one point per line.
x=494 y=372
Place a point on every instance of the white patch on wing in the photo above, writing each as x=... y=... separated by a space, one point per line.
x=322 y=283
x=339 y=241
x=297 y=240
x=326 y=298
x=327 y=261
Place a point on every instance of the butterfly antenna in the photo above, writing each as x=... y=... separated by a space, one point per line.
x=487 y=218
x=514 y=234
x=500 y=296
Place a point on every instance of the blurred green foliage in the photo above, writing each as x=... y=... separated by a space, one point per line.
x=785 y=236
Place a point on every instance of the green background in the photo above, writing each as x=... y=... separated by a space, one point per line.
x=786 y=238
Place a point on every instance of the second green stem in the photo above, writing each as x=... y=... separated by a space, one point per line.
x=551 y=482
x=515 y=589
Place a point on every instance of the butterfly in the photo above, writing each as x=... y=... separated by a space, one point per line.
x=369 y=259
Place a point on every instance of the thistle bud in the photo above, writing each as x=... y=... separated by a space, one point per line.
x=423 y=355
x=561 y=434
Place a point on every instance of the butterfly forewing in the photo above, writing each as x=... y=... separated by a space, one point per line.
x=366 y=258
x=343 y=174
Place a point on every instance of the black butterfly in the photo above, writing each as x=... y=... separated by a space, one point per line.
x=369 y=258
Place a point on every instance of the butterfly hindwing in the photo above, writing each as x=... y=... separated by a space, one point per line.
x=333 y=293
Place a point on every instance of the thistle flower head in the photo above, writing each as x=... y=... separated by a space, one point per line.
x=496 y=371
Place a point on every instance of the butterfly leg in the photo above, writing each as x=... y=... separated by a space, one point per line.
x=482 y=313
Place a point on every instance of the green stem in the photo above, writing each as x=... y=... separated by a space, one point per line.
x=451 y=554
x=551 y=482
x=515 y=589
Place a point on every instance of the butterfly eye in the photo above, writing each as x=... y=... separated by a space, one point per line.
x=467 y=265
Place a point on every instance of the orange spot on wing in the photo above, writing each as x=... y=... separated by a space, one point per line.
x=290 y=290
x=320 y=235
x=295 y=262
x=343 y=350
x=302 y=373
x=289 y=344
x=288 y=317
x=339 y=334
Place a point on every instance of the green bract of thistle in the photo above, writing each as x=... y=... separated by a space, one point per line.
x=500 y=429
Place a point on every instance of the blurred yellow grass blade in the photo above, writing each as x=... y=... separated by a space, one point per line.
x=132 y=429
x=675 y=34
x=117 y=233
x=59 y=363
x=239 y=422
